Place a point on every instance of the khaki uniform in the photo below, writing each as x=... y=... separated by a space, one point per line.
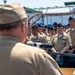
x=50 y=37
x=46 y=37
x=19 y=59
x=46 y=33
x=60 y=43
x=72 y=35
x=39 y=38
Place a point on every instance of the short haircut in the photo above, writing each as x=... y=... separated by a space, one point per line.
x=10 y=26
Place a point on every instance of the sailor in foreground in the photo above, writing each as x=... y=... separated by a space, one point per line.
x=17 y=58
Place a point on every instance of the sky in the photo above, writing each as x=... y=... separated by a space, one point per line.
x=41 y=3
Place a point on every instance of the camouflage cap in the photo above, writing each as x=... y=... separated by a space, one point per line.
x=12 y=13
x=71 y=18
x=59 y=25
x=34 y=27
x=52 y=28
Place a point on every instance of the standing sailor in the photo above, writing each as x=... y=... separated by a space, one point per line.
x=61 y=42
x=71 y=32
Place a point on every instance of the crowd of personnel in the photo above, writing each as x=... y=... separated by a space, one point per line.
x=18 y=58
x=62 y=37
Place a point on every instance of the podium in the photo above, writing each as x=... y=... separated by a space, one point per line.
x=67 y=71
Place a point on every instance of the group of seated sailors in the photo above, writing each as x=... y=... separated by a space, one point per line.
x=60 y=36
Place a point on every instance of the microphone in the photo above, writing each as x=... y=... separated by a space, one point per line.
x=40 y=45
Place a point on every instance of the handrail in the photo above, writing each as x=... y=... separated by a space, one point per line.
x=63 y=54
